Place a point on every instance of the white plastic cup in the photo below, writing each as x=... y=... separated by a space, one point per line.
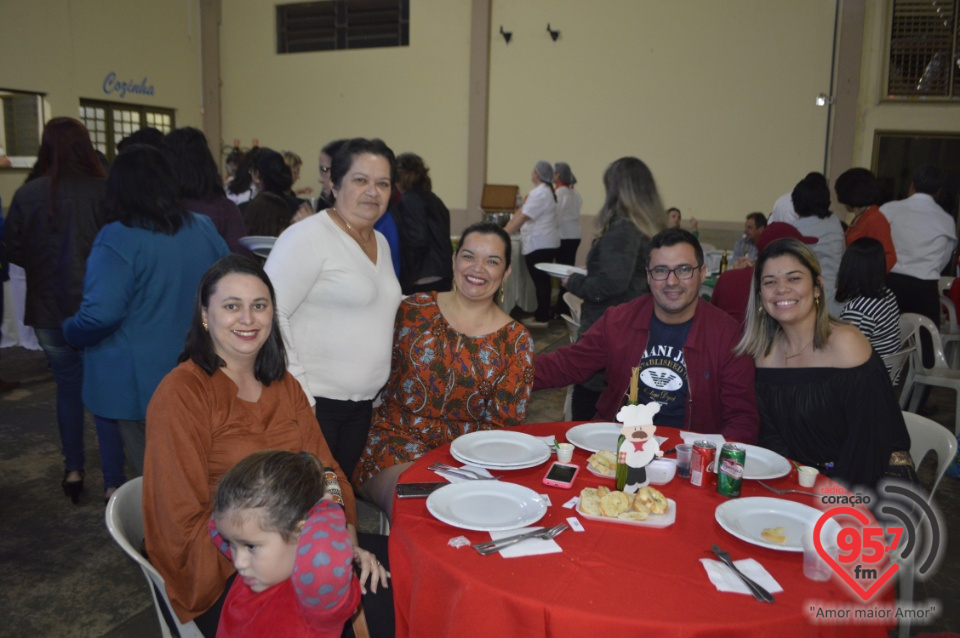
x=684 y=450
x=564 y=452
x=814 y=566
x=807 y=475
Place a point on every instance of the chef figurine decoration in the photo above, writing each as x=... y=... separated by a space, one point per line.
x=637 y=445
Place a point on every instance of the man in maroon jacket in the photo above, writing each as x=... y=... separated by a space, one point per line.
x=682 y=345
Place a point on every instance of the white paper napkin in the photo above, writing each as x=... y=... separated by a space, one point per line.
x=529 y=547
x=472 y=468
x=550 y=441
x=690 y=437
x=725 y=580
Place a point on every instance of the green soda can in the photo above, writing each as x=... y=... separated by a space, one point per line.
x=730 y=471
x=621 y=466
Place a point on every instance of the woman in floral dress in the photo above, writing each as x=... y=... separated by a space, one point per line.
x=460 y=364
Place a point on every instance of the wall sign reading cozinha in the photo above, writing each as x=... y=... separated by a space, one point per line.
x=112 y=85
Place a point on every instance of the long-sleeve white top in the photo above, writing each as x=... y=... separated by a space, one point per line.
x=336 y=309
x=924 y=236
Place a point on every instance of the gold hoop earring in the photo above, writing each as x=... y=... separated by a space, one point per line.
x=816 y=300
x=503 y=295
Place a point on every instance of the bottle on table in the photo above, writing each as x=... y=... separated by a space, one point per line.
x=723 y=261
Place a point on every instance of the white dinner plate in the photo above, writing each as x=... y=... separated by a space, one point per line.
x=486 y=506
x=499 y=449
x=746 y=518
x=763 y=464
x=666 y=519
x=559 y=270
x=597 y=436
x=597 y=472
x=594 y=437
x=500 y=468
x=259 y=245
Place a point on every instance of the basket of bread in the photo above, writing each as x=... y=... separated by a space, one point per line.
x=647 y=508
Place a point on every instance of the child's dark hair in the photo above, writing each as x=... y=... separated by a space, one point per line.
x=284 y=484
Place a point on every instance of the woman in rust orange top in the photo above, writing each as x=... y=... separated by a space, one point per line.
x=460 y=364
x=858 y=191
x=230 y=396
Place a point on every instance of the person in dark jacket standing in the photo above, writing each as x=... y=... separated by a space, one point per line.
x=426 y=251
x=631 y=214
x=52 y=222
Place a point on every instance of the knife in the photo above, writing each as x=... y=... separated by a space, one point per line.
x=758 y=592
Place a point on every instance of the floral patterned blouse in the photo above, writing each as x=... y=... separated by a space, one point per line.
x=443 y=384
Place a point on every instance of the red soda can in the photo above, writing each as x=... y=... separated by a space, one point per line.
x=701 y=462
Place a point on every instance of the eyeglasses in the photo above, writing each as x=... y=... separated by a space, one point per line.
x=324 y=170
x=662 y=273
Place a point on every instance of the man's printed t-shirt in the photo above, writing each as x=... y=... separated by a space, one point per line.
x=663 y=371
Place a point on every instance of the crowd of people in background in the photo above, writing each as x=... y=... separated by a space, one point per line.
x=193 y=356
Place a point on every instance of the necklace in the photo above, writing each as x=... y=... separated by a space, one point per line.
x=787 y=357
x=349 y=227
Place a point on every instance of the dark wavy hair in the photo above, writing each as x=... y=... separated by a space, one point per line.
x=193 y=165
x=857 y=188
x=283 y=485
x=413 y=174
x=343 y=160
x=242 y=178
x=489 y=228
x=863 y=271
x=275 y=175
x=65 y=151
x=271 y=363
x=811 y=196
x=142 y=192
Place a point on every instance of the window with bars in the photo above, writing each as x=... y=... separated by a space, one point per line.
x=342 y=24
x=110 y=122
x=924 y=55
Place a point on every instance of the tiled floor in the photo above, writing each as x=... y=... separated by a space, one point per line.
x=65 y=576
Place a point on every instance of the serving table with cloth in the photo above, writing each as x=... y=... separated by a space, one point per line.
x=610 y=580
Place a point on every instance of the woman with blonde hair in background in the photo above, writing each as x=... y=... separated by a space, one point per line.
x=631 y=214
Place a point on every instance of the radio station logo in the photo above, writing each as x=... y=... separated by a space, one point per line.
x=904 y=532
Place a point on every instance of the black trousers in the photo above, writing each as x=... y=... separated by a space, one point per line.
x=566 y=254
x=345 y=425
x=921 y=296
x=541 y=280
x=583 y=405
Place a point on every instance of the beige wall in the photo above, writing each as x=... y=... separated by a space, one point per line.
x=414 y=97
x=716 y=97
x=65 y=48
x=877 y=114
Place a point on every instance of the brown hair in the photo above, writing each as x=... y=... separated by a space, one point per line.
x=283 y=484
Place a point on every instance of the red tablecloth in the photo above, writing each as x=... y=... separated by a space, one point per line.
x=611 y=580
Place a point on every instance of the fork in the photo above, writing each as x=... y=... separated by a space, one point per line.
x=490 y=547
x=470 y=475
x=779 y=491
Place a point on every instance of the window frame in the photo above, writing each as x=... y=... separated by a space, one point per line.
x=19 y=160
x=952 y=82
x=332 y=28
x=144 y=112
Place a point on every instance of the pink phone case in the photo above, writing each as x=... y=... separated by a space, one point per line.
x=562 y=484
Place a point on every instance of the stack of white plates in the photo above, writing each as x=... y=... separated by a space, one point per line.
x=500 y=450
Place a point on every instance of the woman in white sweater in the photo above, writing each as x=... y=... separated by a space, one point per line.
x=337 y=296
x=540 y=234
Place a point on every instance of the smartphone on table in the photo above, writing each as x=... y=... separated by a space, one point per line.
x=418 y=490
x=561 y=475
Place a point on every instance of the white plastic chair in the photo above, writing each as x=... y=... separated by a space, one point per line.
x=945 y=283
x=574 y=303
x=928 y=436
x=950 y=331
x=925 y=436
x=125 y=524
x=939 y=375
